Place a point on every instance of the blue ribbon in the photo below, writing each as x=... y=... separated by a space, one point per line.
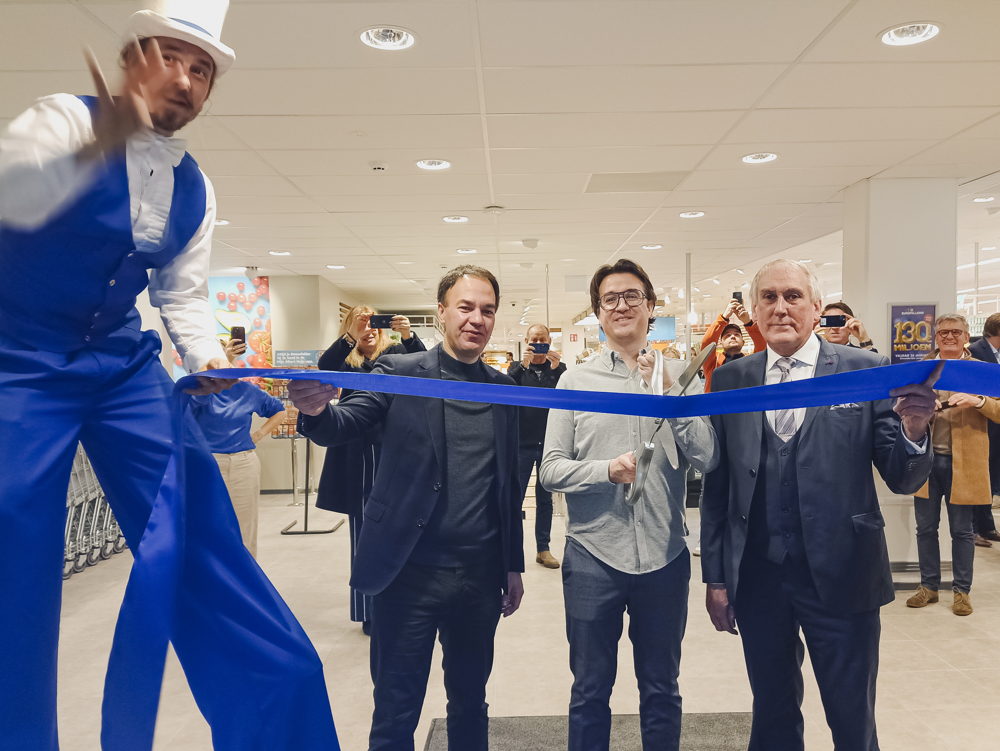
x=970 y=376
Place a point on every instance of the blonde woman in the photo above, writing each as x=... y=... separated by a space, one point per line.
x=349 y=469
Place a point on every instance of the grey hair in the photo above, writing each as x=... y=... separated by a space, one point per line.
x=952 y=317
x=815 y=293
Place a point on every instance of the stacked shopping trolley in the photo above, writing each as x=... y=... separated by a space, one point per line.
x=92 y=533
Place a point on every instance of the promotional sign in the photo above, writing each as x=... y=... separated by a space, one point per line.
x=911 y=332
x=297 y=358
x=238 y=301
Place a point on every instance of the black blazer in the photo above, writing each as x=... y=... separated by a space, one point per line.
x=348 y=471
x=411 y=473
x=842 y=526
x=981 y=350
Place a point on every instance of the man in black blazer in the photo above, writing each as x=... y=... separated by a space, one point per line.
x=987 y=349
x=441 y=550
x=791 y=533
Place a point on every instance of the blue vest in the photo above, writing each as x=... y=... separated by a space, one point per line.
x=775 y=520
x=73 y=282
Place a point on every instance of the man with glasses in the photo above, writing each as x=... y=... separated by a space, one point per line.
x=619 y=555
x=960 y=475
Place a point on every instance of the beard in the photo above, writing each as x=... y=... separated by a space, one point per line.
x=171 y=118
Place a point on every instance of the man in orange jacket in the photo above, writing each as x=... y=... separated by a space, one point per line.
x=730 y=336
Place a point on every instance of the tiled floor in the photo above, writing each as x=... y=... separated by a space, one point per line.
x=939 y=686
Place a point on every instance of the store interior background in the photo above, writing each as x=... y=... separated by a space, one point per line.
x=591 y=125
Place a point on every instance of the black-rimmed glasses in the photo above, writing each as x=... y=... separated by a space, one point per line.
x=632 y=297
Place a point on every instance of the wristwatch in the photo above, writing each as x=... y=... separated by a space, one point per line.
x=350 y=339
x=865 y=343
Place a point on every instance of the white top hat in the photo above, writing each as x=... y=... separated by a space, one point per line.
x=196 y=21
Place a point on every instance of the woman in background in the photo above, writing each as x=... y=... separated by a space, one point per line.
x=349 y=469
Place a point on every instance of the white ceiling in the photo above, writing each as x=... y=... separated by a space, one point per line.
x=528 y=99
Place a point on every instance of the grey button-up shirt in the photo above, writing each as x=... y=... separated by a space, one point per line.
x=579 y=447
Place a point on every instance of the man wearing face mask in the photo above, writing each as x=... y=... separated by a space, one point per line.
x=541 y=367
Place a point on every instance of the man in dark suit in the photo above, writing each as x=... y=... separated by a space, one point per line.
x=987 y=349
x=441 y=548
x=791 y=533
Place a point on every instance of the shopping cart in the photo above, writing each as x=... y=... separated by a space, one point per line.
x=92 y=533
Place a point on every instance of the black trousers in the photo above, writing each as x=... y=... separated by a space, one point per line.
x=774 y=604
x=528 y=456
x=460 y=606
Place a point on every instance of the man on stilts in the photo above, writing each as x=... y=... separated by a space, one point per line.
x=98 y=201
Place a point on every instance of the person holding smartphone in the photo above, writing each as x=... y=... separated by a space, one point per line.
x=540 y=367
x=729 y=336
x=838 y=324
x=348 y=470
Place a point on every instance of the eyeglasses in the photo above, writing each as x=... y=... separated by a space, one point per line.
x=632 y=297
x=953 y=333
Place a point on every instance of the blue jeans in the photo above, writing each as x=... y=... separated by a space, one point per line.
x=928 y=513
x=528 y=456
x=597 y=597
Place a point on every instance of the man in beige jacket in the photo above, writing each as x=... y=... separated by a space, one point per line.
x=960 y=475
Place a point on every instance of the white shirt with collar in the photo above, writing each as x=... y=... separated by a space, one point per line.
x=40 y=175
x=805 y=359
x=996 y=352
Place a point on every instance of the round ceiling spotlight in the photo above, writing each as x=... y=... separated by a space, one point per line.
x=761 y=157
x=280 y=252
x=654 y=246
x=909 y=34
x=691 y=214
x=388 y=38
x=335 y=267
x=466 y=251
x=455 y=219
x=221 y=222
x=433 y=164
x=983 y=199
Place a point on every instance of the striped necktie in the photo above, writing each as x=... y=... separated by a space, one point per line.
x=784 y=419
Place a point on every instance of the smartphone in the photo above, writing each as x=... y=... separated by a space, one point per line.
x=540 y=348
x=238 y=332
x=738 y=296
x=382 y=321
x=832 y=322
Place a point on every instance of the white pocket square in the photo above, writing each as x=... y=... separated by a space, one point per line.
x=846 y=405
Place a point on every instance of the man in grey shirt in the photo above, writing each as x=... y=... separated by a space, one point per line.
x=620 y=556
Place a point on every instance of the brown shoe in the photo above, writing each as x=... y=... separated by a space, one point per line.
x=992 y=535
x=922 y=598
x=982 y=542
x=962 y=604
x=547 y=559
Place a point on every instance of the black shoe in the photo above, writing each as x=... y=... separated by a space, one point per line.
x=366 y=628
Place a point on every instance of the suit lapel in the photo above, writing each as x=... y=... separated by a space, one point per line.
x=434 y=408
x=826 y=365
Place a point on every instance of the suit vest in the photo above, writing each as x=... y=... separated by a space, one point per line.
x=775 y=531
x=73 y=282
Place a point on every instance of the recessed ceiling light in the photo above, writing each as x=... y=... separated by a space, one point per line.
x=455 y=219
x=989 y=247
x=761 y=157
x=741 y=272
x=335 y=266
x=691 y=214
x=654 y=246
x=568 y=260
x=983 y=199
x=706 y=295
x=695 y=289
x=221 y=222
x=280 y=252
x=466 y=251
x=910 y=33
x=716 y=281
x=405 y=263
x=433 y=164
x=805 y=260
x=389 y=38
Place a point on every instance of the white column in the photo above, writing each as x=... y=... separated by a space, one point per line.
x=899 y=247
